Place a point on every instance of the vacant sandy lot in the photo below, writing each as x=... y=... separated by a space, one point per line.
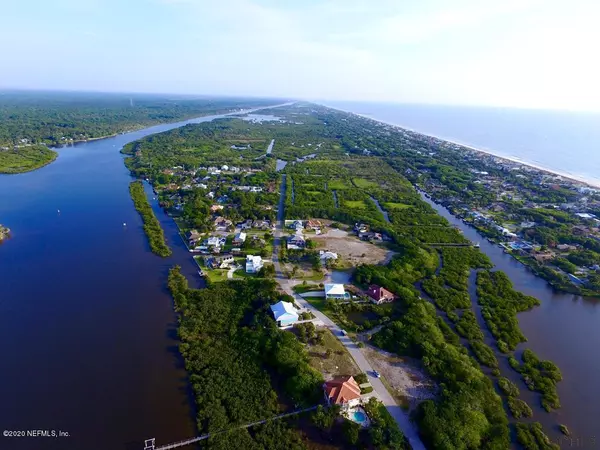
x=410 y=385
x=351 y=249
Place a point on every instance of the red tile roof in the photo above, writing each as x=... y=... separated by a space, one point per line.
x=378 y=293
x=342 y=390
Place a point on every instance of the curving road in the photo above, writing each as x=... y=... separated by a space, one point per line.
x=401 y=418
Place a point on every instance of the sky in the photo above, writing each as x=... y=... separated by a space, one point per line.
x=521 y=53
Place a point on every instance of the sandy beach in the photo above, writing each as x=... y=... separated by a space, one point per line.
x=569 y=176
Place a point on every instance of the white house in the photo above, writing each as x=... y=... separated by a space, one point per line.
x=335 y=291
x=253 y=263
x=214 y=241
x=326 y=256
x=296 y=242
x=239 y=238
x=284 y=313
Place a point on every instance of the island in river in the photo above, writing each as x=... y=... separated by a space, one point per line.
x=4 y=232
x=221 y=185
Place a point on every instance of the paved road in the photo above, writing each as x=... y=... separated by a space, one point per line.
x=401 y=418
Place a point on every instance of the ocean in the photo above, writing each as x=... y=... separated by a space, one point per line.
x=563 y=142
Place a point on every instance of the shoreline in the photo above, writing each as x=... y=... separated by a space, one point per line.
x=33 y=169
x=571 y=177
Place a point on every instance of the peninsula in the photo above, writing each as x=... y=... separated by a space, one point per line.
x=32 y=121
x=330 y=226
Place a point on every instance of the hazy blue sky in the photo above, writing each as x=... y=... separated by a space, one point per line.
x=528 y=53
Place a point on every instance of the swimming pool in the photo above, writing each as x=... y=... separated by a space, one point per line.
x=359 y=416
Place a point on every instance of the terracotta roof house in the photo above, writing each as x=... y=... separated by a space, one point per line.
x=380 y=295
x=543 y=257
x=343 y=391
x=313 y=225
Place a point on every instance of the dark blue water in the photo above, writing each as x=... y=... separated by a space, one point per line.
x=565 y=142
x=87 y=329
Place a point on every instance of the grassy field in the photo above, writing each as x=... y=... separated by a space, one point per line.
x=364 y=183
x=358 y=204
x=338 y=184
x=25 y=159
x=339 y=361
x=300 y=288
x=391 y=205
x=215 y=275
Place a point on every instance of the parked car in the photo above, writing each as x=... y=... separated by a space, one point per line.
x=376 y=374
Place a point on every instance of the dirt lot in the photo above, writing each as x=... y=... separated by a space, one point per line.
x=351 y=249
x=409 y=384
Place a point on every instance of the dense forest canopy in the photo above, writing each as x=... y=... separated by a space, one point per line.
x=60 y=117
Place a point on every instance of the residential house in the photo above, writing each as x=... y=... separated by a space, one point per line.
x=220 y=262
x=313 y=225
x=261 y=224
x=296 y=242
x=327 y=256
x=342 y=391
x=527 y=224
x=284 y=313
x=380 y=295
x=369 y=236
x=222 y=224
x=246 y=225
x=215 y=208
x=295 y=225
x=566 y=247
x=215 y=241
x=239 y=238
x=253 y=263
x=193 y=236
x=580 y=230
x=335 y=291
x=543 y=257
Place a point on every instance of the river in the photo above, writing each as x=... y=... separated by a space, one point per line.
x=87 y=328
x=565 y=329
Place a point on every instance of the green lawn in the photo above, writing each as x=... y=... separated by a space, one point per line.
x=392 y=205
x=215 y=275
x=319 y=303
x=301 y=288
x=364 y=183
x=338 y=184
x=355 y=204
x=313 y=275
